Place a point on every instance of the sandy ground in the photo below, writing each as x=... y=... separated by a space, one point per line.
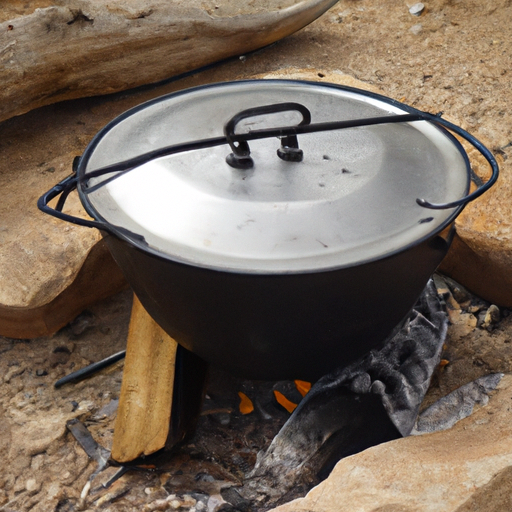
x=455 y=58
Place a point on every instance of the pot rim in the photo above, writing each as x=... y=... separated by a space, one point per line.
x=140 y=243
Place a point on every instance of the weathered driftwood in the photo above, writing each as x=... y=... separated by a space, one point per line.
x=83 y=48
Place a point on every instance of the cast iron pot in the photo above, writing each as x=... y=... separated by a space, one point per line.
x=275 y=264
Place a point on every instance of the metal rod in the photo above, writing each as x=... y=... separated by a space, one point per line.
x=128 y=165
x=90 y=370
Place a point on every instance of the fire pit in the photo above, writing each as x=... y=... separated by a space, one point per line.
x=266 y=265
x=254 y=455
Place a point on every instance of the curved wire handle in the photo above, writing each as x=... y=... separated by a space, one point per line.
x=65 y=187
x=482 y=150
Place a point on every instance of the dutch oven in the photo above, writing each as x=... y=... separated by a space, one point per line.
x=279 y=229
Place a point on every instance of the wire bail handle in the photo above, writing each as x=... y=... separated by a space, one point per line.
x=240 y=157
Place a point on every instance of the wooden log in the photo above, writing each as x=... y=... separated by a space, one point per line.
x=83 y=48
x=143 y=418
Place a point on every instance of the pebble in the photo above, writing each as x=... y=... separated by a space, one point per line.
x=107 y=410
x=416 y=29
x=60 y=355
x=156 y=505
x=492 y=316
x=37 y=462
x=222 y=418
x=171 y=502
x=13 y=372
x=32 y=485
x=86 y=405
x=82 y=323
x=214 y=502
x=417 y=9
x=474 y=309
x=53 y=490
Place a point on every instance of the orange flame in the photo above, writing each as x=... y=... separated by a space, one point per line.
x=246 y=406
x=283 y=401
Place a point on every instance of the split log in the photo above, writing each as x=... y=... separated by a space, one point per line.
x=143 y=417
x=83 y=47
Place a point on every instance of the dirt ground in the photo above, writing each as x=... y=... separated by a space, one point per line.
x=455 y=57
x=46 y=469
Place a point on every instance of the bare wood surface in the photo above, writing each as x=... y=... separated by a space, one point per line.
x=144 y=413
x=78 y=48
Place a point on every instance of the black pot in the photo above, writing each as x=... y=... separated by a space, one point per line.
x=365 y=245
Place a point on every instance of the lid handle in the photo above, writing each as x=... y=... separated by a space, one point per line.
x=289 y=151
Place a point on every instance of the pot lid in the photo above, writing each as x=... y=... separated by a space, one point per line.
x=350 y=198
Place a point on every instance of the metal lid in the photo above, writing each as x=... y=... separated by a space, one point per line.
x=352 y=197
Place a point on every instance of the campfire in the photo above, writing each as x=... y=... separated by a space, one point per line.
x=256 y=444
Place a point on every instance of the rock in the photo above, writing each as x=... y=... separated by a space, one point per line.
x=417 y=9
x=442 y=472
x=457 y=405
x=32 y=485
x=61 y=285
x=51 y=271
x=492 y=316
x=480 y=257
x=82 y=48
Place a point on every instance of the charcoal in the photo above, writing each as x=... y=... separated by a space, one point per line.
x=371 y=401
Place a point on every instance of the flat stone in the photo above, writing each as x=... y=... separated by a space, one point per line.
x=447 y=471
x=481 y=254
x=417 y=9
x=50 y=271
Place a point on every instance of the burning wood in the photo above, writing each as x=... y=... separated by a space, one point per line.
x=373 y=400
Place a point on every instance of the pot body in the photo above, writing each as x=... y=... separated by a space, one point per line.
x=280 y=326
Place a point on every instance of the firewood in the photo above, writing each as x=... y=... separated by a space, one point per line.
x=143 y=418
